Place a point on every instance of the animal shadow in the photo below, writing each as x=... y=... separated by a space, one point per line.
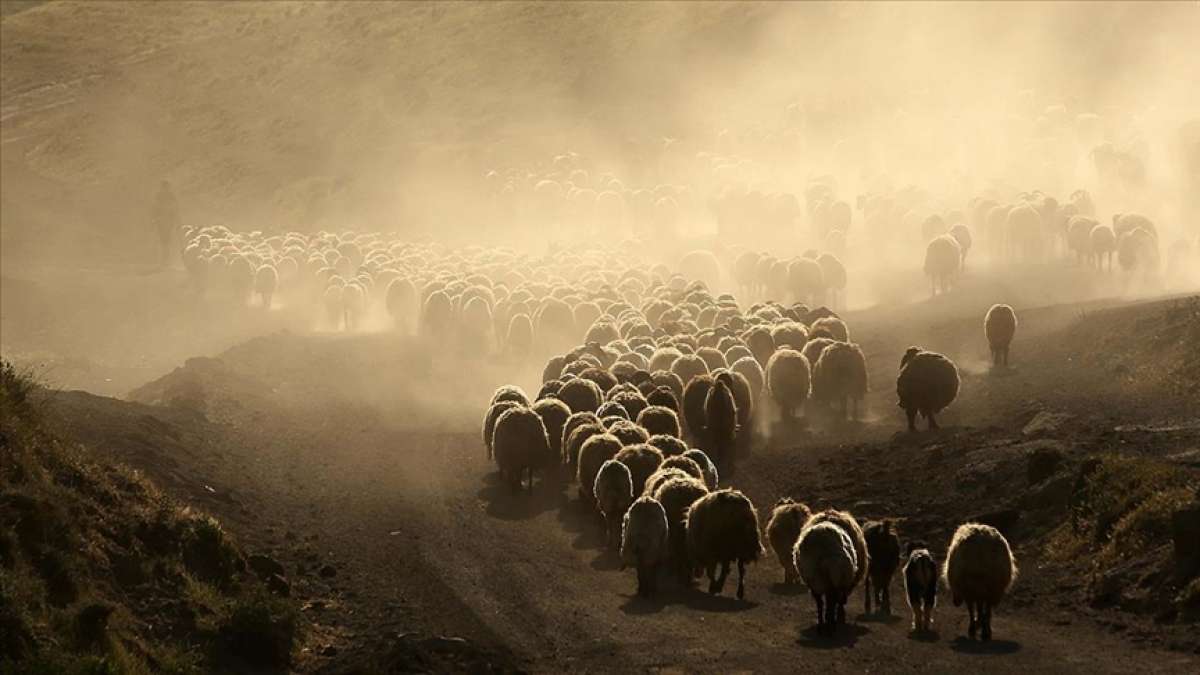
x=846 y=635
x=504 y=504
x=923 y=635
x=965 y=645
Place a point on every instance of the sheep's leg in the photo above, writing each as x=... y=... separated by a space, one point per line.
x=867 y=593
x=840 y=608
x=531 y=480
x=719 y=584
x=973 y=625
x=887 y=599
x=741 y=592
x=711 y=572
x=985 y=619
x=932 y=422
x=918 y=622
x=912 y=419
x=820 y=601
x=641 y=579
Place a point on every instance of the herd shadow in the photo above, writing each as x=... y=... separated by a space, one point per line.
x=506 y=504
x=671 y=593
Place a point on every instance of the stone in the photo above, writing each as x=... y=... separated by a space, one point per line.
x=1041 y=463
x=264 y=566
x=1046 y=423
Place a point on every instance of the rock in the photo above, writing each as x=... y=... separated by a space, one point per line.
x=264 y=566
x=1042 y=462
x=1187 y=458
x=328 y=572
x=1054 y=492
x=1045 y=423
x=279 y=585
x=1185 y=531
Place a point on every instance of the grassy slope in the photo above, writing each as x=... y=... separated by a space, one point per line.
x=100 y=572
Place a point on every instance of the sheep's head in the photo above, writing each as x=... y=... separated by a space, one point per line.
x=908 y=355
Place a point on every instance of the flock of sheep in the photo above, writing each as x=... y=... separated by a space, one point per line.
x=668 y=383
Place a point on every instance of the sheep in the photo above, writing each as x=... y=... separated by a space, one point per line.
x=790 y=334
x=489 y=422
x=927 y=383
x=632 y=401
x=883 y=551
x=581 y=395
x=594 y=452
x=644 y=542
x=788 y=378
x=749 y=368
x=659 y=420
x=999 y=326
x=520 y=443
x=743 y=398
x=688 y=367
x=693 y=400
x=943 y=256
x=979 y=570
x=663 y=397
x=1103 y=244
x=669 y=446
x=962 y=236
x=783 y=529
x=685 y=464
x=628 y=432
x=1079 y=230
x=574 y=440
x=826 y=560
x=519 y=336
x=643 y=460
x=722 y=527
x=833 y=274
x=400 y=300
x=921 y=585
x=841 y=375
x=510 y=392
x=834 y=326
x=677 y=492
x=721 y=417
x=613 y=490
x=711 y=476
x=847 y=522
x=554 y=414
x=437 y=316
x=812 y=350
x=760 y=342
x=266 y=279
x=1138 y=249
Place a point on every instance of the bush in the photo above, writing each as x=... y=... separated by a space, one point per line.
x=262 y=631
x=1116 y=486
x=207 y=552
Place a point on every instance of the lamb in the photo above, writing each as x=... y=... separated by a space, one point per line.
x=613 y=490
x=594 y=452
x=841 y=375
x=520 y=444
x=659 y=420
x=979 y=570
x=266 y=279
x=927 y=383
x=711 y=477
x=883 y=549
x=783 y=530
x=643 y=460
x=644 y=542
x=788 y=380
x=943 y=257
x=999 y=326
x=489 y=422
x=662 y=475
x=721 y=417
x=722 y=527
x=921 y=585
x=677 y=493
x=825 y=559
